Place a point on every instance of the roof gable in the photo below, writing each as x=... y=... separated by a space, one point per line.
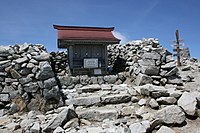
x=86 y=33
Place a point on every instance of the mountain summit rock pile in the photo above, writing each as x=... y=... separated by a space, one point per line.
x=144 y=92
x=146 y=61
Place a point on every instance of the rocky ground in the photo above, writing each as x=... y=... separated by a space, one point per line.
x=145 y=93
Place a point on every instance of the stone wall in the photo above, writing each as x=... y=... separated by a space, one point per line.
x=25 y=70
x=40 y=78
x=146 y=62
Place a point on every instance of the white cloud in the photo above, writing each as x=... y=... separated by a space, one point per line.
x=120 y=36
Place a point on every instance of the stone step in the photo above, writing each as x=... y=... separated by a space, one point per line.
x=98 y=99
x=98 y=113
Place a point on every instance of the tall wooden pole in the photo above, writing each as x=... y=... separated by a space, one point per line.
x=178 y=49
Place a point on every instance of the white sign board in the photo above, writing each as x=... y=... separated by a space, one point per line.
x=91 y=63
x=97 y=71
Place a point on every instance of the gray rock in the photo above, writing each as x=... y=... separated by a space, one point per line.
x=4 y=52
x=153 y=103
x=35 y=128
x=84 y=101
x=90 y=88
x=94 y=80
x=21 y=60
x=98 y=114
x=152 y=55
x=186 y=68
x=25 y=71
x=10 y=80
x=142 y=102
x=174 y=80
x=65 y=80
x=126 y=111
x=100 y=80
x=31 y=87
x=53 y=93
x=3 y=74
x=140 y=127
x=94 y=130
x=166 y=100
x=34 y=61
x=189 y=103
x=42 y=57
x=169 y=65
x=23 y=47
x=45 y=72
x=25 y=80
x=4 y=64
x=105 y=87
x=13 y=108
x=49 y=83
x=165 y=129
x=143 y=79
x=26 y=123
x=134 y=99
x=84 y=79
x=150 y=70
x=30 y=65
x=172 y=72
x=59 y=130
x=118 y=98
x=63 y=117
x=153 y=91
x=15 y=74
x=4 y=97
x=111 y=79
x=12 y=92
x=73 y=123
x=171 y=114
x=147 y=62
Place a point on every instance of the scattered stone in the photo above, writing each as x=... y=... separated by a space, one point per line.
x=153 y=103
x=166 y=100
x=142 y=102
x=125 y=111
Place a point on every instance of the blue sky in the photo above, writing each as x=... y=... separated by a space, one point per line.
x=31 y=20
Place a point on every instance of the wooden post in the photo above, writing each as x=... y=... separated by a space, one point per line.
x=178 y=49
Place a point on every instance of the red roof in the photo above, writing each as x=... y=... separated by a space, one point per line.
x=86 y=33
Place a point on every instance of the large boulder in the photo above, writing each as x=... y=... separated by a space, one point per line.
x=63 y=117
x=172 y=114
x=189 y=103
x=150 y=70
x=143 y=79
